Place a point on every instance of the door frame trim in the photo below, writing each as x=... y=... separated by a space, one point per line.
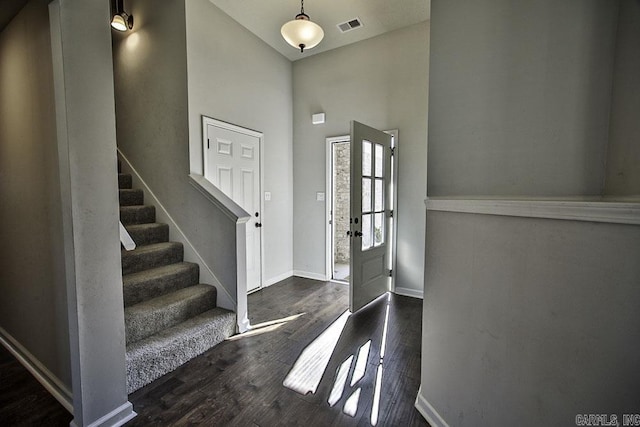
x=329 y=141
x=254 y=133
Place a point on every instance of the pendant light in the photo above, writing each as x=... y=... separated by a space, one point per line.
x=301 y=32
x=121 y=20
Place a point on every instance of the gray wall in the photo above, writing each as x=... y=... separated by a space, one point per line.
x=150 y=73
x=623 y=160
x=530 y=321
x=382 y=82
x=237 y=78
x=86 y=133
x=524 y=319
x=32 y=265
x=522 y=92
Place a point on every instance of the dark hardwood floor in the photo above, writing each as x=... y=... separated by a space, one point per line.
x=23 y=400
x=240 y=381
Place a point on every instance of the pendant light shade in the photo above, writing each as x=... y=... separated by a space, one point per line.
x=301 y=32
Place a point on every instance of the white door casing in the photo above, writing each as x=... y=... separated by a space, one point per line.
x=232 y=163
x=371 y=211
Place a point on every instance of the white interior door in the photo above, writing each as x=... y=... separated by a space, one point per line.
x=232 y=163
x=371 y=207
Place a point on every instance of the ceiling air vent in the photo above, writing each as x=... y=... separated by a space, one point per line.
x=350 y=25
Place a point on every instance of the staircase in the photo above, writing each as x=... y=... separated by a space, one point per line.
x=169 y=317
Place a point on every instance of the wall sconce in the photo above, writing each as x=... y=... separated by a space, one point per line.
x=121 y=20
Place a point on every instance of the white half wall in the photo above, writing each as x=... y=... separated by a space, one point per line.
x=529 y=321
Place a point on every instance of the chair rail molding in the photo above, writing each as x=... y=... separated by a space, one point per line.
x=596 y=209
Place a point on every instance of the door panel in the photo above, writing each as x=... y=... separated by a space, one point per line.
x=370 y=213
x=232 y=163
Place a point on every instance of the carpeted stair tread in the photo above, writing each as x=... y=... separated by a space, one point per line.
x=148 y=284
x=169 y=317
x=147 y=234
x=125 y=181
x=137 y=214
x=150 y=317
x=151 y=256
x=131 y=197
x=151 y=358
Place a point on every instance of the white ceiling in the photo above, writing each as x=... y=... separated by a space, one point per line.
x=265 y=17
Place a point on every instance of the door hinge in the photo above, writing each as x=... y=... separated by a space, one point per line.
x=390 y=273
x=393 y=151
x=208 y=143
x=390 y=214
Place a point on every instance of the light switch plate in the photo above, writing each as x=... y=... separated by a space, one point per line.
x=267 y=195
x=320 y=196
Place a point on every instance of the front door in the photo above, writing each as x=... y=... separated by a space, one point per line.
x=371 y=210
x=232 y=163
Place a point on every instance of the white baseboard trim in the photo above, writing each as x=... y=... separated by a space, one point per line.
x=428 y=412
x=308 y=275
x=413 y=293
x=225 y=300
x=115 y=418
x=277 y=279
x=49 y=381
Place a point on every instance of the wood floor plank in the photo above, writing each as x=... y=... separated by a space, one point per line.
x=23 y=400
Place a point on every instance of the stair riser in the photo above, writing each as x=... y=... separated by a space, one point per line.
x=131 y=197
x=148 y=236
x=142 y=324
x=133 y=262
x=137 y=215
x=150 y=359
x=124 y=181
x=155 y=286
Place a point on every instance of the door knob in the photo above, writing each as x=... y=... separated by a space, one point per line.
x=258 y=224
x=357 y=233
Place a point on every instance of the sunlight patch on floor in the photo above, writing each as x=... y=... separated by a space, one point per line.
x=265 y=327
x=307 y=372
x=375 y=410
x=351 y=405
x=361 y=363
x=341 y=380
x=277 y=321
